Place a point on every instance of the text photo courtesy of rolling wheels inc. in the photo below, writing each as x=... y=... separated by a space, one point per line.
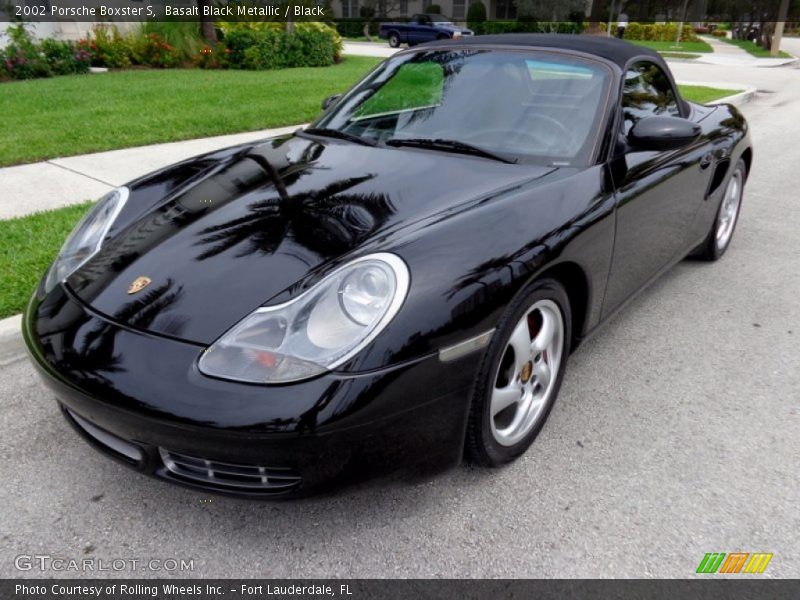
x=436 y=301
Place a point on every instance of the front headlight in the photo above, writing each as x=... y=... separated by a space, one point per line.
x=317 y=331
x=87 y=237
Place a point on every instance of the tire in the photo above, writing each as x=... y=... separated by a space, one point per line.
x=394 y=39
x=493 y=439
x=721 y=233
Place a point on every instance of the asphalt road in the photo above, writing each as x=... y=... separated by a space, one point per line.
x=677 y=433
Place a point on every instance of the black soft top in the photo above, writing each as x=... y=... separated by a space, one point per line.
x=617 y=51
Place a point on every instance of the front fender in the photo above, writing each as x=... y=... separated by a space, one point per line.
x=467 y=266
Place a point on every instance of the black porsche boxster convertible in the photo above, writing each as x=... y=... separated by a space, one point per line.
x=396 y=286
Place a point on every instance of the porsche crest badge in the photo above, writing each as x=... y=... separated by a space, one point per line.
x=139 y=284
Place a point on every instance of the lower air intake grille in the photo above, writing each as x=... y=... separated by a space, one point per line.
x=229 y=476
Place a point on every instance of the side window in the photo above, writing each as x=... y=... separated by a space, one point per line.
x=647 y=92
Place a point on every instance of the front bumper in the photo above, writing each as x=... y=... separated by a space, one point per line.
x=124 y=389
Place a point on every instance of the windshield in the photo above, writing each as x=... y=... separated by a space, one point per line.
x=529 y=106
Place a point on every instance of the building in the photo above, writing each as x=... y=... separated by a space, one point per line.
x=544 y=10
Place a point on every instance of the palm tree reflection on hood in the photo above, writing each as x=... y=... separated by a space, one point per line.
x=328 y=221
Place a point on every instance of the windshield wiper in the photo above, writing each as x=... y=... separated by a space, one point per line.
x=449 y=146
x=336 y=133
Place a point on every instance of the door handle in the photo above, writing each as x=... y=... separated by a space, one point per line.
x=706 y=161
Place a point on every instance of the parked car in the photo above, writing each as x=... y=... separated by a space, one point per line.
x=420 y=29
x=397 y=286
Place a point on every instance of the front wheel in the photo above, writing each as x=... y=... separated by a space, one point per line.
x=394 y=40
x=521 y=375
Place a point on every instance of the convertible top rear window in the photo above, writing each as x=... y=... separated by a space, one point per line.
x=531 y=106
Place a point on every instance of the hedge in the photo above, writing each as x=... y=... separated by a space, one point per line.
x=493 y=27
x=23 y=58
x=271 y=49
x=658 y=32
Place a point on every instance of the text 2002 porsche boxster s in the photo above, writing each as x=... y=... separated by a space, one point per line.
x=397 y=285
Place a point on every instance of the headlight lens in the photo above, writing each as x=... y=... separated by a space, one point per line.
x=317 y=331
x=87 y=237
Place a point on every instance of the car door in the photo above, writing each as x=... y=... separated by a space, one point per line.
x=423 y=29
x=414 y=30
x=658 y=192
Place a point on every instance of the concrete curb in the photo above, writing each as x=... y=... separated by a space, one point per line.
x=737 y=99
x=11 y=346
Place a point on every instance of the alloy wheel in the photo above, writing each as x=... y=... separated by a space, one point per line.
x=729 y=210
x=527 y=373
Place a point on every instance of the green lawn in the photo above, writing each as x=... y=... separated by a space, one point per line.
x=703 y=94
x=77 y=114
x=755 y=49
x=671 y=46
x=27 y=246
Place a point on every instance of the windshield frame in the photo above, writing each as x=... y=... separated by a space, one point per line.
x=594 y=140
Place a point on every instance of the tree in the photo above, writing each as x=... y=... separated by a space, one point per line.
x=595 y=16
x=476 y=15
x=372 y=8
x=783 y=12
x=206 y=22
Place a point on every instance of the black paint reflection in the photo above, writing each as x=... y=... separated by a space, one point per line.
x=327 y=221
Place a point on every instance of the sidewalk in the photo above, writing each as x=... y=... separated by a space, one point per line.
x=58 y=182
x=379 y=49
x=729 y=55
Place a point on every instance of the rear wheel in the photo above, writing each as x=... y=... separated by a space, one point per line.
x=719 y=238
x=394 y=40
x=521 y=375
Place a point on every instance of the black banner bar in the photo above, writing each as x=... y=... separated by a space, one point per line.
x=412 y=589
x=690 y=11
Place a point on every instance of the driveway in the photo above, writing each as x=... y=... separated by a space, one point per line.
x=677 y=433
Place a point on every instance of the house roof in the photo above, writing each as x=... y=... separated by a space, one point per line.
x=617 y=51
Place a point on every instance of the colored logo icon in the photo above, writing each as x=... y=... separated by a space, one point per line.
x=735 y=562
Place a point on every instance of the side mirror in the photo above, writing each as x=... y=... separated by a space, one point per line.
x=330 y=100
x=662 y=133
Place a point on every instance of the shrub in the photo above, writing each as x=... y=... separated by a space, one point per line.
x=213 y=57
x=658 y=32
x=152 y=50
x=494 y=27
x=184 y=37
x=107 y=47
x=23 y=58
x=65 y=58
x=269 y=46
x=272 y=49
x=355 y=27
x=434 y=9
x=237 y=41
x=719 y=33
x=476 y=14
x=300 y=27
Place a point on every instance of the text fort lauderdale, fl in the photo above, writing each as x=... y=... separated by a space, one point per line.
x=243 y=11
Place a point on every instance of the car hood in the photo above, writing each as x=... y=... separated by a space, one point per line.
x=252 y=224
